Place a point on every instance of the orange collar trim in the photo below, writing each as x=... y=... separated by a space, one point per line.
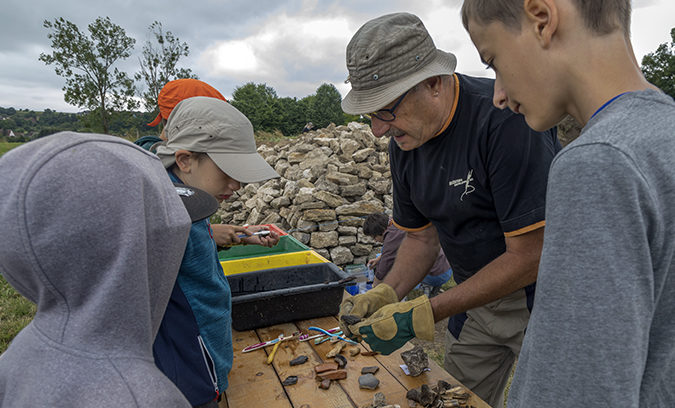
x=454 y=106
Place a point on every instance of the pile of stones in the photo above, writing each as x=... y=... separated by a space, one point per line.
x=331 y=179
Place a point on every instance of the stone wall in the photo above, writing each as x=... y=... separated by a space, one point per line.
x=330 y=180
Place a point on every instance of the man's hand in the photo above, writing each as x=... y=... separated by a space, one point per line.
x=364 y=305
x=393 y=325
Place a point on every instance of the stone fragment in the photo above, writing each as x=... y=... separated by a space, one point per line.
x=416 y=360
x=336 y=350
x=318 y=214
x=332 y=375
x=353 y=351
x=340 y=360
x=370 y=370
x=341 y=255
x=379 y=400
x=291 y=380
x=427 y=396
x=354 y=190
x=323 y=239
x=325 y=384
x=330 y=366
x=299 y=360
x=360 y=208
x=368 y=381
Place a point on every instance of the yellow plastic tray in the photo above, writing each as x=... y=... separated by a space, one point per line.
x=271 y=261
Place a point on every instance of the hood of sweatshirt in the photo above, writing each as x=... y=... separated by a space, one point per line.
x=93 y=232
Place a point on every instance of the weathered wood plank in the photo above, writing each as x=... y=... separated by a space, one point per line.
x=389 y=386
x=252 y=383
x=306 y=392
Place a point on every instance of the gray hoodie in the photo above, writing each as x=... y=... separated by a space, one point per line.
x=93 y=232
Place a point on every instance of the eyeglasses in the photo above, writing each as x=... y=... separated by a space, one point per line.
x=387 y=115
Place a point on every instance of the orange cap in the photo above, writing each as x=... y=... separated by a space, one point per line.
x=179 y=89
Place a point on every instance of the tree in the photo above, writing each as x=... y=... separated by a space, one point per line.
x=87 y=63
x=293 y=116
x=326 y=107
x=259 y=103
x=158 y=65
x=659 y=66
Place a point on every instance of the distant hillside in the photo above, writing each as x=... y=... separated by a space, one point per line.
x=20 y=125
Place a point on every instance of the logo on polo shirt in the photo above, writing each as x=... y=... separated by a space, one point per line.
x=466 y=183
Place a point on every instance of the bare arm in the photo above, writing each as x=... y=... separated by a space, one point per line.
x=514 y=269
x=414 y=258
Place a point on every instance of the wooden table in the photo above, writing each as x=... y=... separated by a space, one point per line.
x=255 y=384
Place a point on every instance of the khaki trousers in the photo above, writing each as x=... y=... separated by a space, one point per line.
x=488 y=345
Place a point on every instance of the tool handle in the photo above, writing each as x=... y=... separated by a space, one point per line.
x=261 y=233
x=270 y=358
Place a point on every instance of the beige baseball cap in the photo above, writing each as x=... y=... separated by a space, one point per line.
x=386 y=57
x=213 y=126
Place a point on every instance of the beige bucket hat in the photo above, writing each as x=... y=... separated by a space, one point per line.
x=386 y=57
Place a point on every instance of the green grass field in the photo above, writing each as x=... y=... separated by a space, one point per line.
x=15 y=313
x=6 y=146
x=15 y=310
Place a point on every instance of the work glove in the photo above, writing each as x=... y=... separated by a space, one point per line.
x=389 y=328
x=355 y=308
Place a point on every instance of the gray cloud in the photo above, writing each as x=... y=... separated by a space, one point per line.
x=292 y=45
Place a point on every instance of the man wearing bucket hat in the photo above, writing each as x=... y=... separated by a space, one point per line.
x=169 y=96
x=210 y=146
x=466 y=176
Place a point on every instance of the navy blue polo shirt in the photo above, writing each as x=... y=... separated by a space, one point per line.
x=482 y=179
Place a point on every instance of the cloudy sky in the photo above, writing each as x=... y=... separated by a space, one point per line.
x=291 y=45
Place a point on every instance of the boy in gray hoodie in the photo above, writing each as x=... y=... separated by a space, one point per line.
x=93 y=232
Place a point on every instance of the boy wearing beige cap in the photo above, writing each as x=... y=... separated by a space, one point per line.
x=602 y=328
x=210 y=145
x=171 y=94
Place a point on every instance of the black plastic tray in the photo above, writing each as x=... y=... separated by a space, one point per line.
x=282 y=295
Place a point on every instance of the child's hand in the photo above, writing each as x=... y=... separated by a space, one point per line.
x=227 y=235
x=373 y=262
x=268 y=240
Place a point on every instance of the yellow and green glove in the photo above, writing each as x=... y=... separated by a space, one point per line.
x=393 y=325
x=363 y=305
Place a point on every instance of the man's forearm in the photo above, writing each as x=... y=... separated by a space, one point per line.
x=513 y=270
x=414 y=258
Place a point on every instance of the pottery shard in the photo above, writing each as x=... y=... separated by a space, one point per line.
x=332 y=375
x=325 y=384
x=368 y=381
x=370 y=370
x=416 y=360
x=299 y=360
x=340 y=360
x=326 y=367
x=290 y=380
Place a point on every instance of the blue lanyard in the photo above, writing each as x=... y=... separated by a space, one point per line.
x=606 y=103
